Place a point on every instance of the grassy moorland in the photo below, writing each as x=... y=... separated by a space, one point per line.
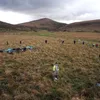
x=28 y=75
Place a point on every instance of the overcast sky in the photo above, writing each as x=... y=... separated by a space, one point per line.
x=67 y=11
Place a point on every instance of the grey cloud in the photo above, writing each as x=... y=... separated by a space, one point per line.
x=37 y=8
x=56 y=9
x=20 y=5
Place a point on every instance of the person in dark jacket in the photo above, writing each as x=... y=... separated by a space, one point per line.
x=83 y=42
x=74 y=42
x=46 y=41
x=20 y=42
x=24 y=49
x=63 y=41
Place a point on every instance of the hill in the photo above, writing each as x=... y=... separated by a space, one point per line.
x=4 y=25
x=50 y=25
x=84 y=26
x=44 y=24
x=9 y=27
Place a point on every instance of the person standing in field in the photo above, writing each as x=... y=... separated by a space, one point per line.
x=83 y=42
x=74 y=41
x=46 y=41
x=55 y=71
x=96 y=45
x=20 y=42
x=63 y=41
x=93 y=45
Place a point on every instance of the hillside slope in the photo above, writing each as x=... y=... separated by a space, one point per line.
x=85 y=26
x=4 y=25
x=44 y=24
x=50 y=25
x=8 y=27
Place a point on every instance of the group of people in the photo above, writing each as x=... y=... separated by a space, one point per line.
x=83 y=42
x=56 y=67
x=79 y=41
x=95 y=45
x=12 y=50
x=62 y=41
x=17 y=50
x=20 y=42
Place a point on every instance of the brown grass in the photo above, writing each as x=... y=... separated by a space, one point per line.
x=87 y=35
x=28 y=75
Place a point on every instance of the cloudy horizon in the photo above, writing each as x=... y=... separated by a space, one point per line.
x=66 y=11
